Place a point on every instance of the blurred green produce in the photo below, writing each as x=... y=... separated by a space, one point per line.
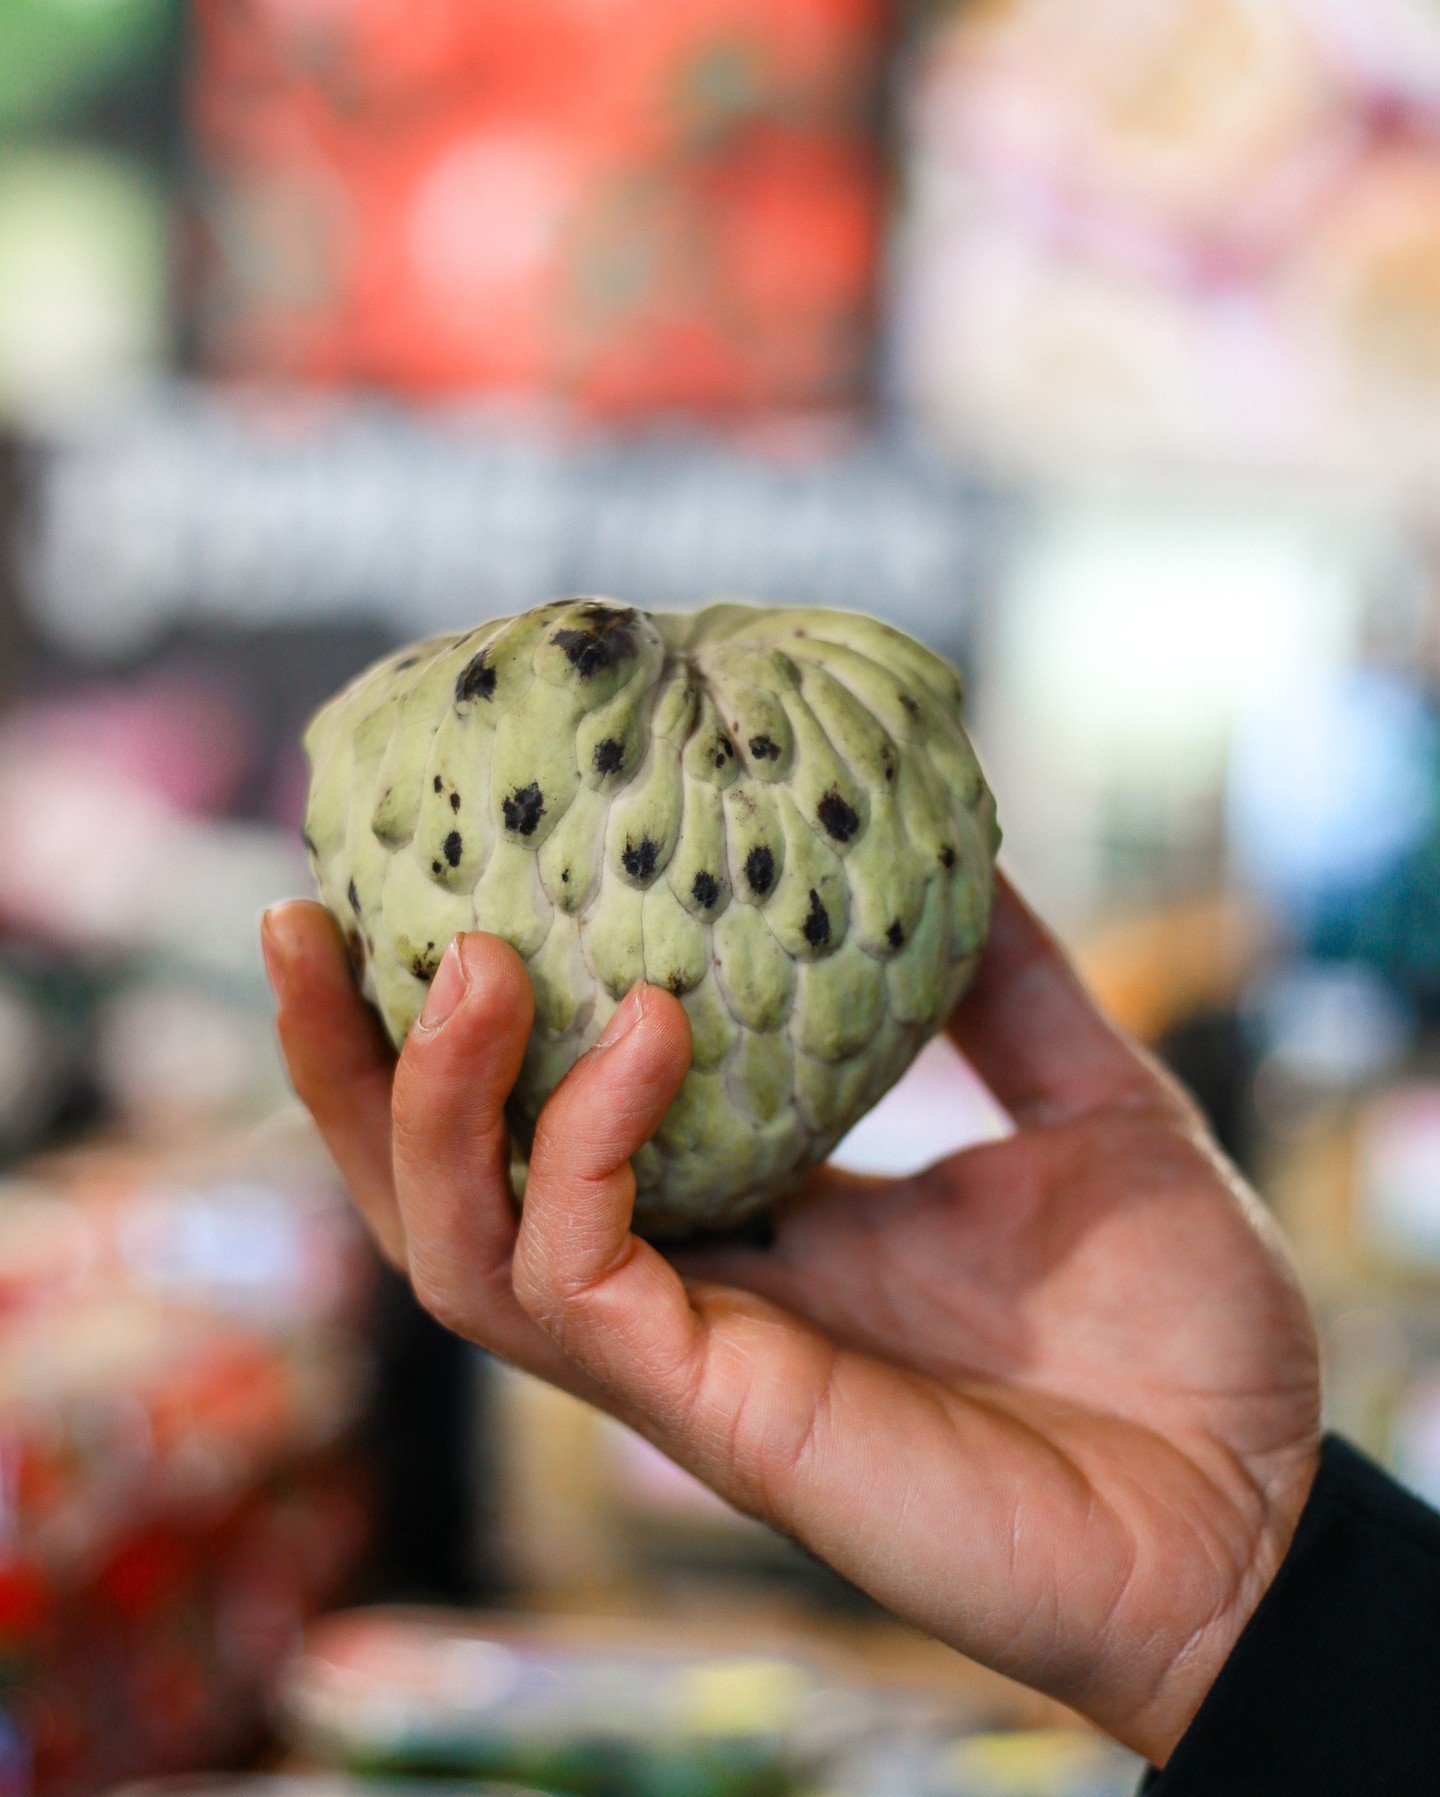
x=84 y=272
x=59 y=56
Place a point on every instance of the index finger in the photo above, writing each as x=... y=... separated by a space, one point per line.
x=615 y=1305
x=1034 y=1034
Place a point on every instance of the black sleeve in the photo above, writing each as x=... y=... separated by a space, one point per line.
x=1333 y=1689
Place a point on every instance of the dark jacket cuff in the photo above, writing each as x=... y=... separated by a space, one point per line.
x=1334 y=1685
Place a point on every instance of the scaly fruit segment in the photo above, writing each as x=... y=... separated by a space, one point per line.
x=774 y=813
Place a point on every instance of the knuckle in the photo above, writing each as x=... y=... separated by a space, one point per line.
x=553 y=1294
x=532 y=1278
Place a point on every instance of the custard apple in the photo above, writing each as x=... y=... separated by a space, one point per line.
x=776 y=814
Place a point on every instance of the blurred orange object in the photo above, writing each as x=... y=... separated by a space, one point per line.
x=628 y=206
x=1152 y=970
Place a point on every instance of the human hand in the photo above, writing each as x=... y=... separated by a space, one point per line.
x=1055 y=1399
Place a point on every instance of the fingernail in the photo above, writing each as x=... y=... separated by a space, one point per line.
x=446 y=989
x=270 y=950
x=629 y=1013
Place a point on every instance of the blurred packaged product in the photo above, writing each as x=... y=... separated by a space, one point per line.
x=1209 y=119
x=629 y=209
x=601 y=1709
x=156 y=1656
x=84 y=278
x=182 y=1371
x=1163 y=240
x=1031 y=356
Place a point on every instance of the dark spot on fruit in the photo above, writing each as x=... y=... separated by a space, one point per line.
x=816 y=928
x=724 y=750
x=524 y=809
x=565 y=876
x=675 y=984
x=454 y=801
x=608 y=638
x=947 y=856
x=355 y=949
x=410 y=661
x=889 y=770
x=705 y=889
x=638 y=858
x=609 y=753
x=425 y=966
x=477 y=679
x=764 y=748
x=910 y=705
x=760 y=869
x=439 y=784
x=895 y=935
x=354 y=897
x=840 y=820
x=453 y=848
x=437 y=867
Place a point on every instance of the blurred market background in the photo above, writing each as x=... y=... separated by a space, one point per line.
x=1095 y=341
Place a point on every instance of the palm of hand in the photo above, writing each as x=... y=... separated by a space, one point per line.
x=1094 y=1318
x=1054 y=1399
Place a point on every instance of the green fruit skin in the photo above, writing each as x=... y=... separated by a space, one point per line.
x=775 y=814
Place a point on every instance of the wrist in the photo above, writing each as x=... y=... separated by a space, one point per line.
x=1185 y=1680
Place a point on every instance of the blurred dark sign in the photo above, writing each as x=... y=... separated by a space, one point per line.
x=201 y=508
